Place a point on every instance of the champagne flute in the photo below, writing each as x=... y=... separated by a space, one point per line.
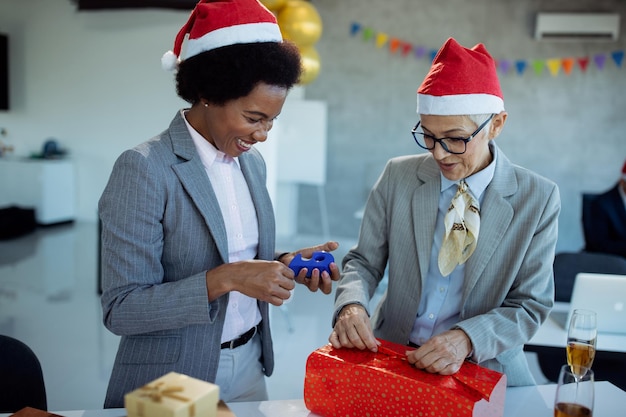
x=574 y=394
x=581 y=341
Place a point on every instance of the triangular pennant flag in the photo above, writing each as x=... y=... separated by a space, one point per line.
x=582 y=63
x=567 y=64
x=618 y=57
x=538 y=66
x=367 y=34
x=599 y=60
x=505 y=65
x=381 y=39
x=433 y=54
x=554 y=65
x=394 y=44
x=420 y=51
x=520 y=66
x=355 y=28
x=406 y=48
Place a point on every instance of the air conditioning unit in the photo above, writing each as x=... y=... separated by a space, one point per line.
x=577 y=26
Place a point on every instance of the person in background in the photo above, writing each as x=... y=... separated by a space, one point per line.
x=605 y=226
x=467 y=237
x=188 y=233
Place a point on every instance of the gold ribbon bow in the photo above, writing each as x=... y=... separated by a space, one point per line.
x=160 y=390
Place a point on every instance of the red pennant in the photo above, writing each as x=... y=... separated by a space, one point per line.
x=406 y=48
x=582 y=63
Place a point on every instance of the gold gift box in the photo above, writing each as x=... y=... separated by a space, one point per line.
x=173 y=395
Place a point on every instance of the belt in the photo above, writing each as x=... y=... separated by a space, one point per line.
x=241 y=340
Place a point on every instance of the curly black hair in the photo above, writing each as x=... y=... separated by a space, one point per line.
x=232 y=71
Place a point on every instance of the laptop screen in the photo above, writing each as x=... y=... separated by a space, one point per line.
x=606 y=295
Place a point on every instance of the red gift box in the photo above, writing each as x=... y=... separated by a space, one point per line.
x=353 y=383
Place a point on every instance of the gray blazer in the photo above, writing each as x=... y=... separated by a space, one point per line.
x=508 y=289
x=162 y=229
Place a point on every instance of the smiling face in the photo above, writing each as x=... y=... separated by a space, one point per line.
x=236 y=126
x=477 y=155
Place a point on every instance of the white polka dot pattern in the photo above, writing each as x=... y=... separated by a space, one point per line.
x=355 y=383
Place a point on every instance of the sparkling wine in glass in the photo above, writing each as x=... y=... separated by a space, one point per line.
x=574 y=394
x=581 y=341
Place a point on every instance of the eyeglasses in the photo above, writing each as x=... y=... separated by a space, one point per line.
x=451 y=145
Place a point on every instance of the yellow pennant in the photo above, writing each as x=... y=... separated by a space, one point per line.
x=554 y=65
x=381 y=39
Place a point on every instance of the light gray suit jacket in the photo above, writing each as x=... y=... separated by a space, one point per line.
x=508 y=290
x=162 y=229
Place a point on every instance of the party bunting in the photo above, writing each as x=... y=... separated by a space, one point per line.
x=555 y=66
x=568 y=64
x=381 y=39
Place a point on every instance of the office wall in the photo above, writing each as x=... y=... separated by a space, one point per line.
x=567 y=128
x=93 y=81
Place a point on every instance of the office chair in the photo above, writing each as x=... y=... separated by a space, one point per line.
x=21 y=377
x=568 y=264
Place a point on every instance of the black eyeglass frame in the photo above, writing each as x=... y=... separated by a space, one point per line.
x=441 y=140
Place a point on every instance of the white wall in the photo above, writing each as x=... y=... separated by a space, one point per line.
x=93 y=80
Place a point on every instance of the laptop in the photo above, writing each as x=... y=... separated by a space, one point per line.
x=603 y=293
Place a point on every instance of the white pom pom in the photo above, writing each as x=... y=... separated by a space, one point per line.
x=169 y=61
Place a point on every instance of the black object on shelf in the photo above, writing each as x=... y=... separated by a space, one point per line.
x=16 y=221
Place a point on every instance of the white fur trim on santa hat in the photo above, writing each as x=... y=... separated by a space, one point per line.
x=246 y=33
x=459 y=104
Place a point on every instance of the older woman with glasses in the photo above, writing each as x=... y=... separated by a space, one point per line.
x=467 y=238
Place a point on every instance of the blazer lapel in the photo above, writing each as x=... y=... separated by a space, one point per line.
x=425 y=207
x=193 y=177
x=251 y=165
x=495 y=211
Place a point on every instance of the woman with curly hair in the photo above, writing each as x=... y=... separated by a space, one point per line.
x=188 y=235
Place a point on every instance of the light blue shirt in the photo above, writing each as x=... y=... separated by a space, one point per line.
x=440 y=304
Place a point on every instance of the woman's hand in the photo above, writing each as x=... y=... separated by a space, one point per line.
x=442 y=354
x=318 y=280
x=353 y=329
x=268 y=281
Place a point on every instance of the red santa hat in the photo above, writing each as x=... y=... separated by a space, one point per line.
x=460 y=81
x=213 y=24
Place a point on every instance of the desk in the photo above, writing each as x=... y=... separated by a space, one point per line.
x=537 y=401
x=550 y=341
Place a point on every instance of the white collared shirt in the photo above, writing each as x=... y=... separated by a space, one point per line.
x=440 y=303
x=241 y=224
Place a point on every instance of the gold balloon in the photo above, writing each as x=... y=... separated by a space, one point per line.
x=300 y=22
x=310 y=64
x=274 y=5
